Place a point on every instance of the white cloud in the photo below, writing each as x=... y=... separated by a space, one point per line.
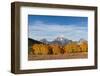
x=39 y=30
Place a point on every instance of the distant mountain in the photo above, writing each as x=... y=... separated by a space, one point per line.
x=44 y=41
x=82 y=40
x=32 y=41
x=61 y=41
x=58 y=40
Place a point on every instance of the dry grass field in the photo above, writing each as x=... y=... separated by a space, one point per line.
x=64 y=56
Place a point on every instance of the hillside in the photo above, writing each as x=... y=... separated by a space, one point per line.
x=32 y=41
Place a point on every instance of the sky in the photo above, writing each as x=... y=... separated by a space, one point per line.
x=50 y=27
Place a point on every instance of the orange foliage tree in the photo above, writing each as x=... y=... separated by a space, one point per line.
x=40 y=49
x=72 y=47
x=55 y=49
x=84 y=46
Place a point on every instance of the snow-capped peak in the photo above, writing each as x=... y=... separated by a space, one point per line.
x=60 y=38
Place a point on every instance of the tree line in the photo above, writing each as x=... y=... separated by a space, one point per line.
x=55 y=49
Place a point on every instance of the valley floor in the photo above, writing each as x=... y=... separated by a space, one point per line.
x=54 y=57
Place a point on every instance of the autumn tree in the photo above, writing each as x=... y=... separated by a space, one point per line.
x=72 y=47
x=55 y=49
x=62 y=51
x=40 y=49
x=50 y=51
x=84 y=46
x=30 y=50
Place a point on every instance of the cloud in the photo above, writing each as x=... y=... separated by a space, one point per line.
x=39 y=30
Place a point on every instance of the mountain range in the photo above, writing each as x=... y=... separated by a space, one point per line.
x=59 y=40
